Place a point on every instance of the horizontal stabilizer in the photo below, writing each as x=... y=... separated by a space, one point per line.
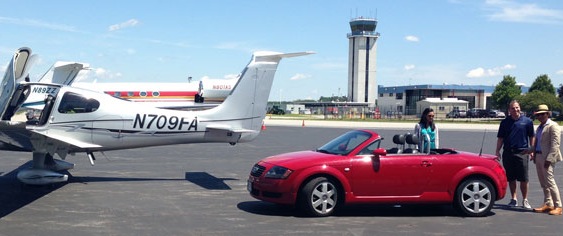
x=225 y=134
x=228 y=128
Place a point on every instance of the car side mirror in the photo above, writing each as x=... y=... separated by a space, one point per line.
x=376 y=162
x=380 y=152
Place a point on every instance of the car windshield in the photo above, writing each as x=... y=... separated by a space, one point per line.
x=345 y=143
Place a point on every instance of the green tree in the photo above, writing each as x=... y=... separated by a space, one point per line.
x=529 y=102
x=542 y=83
x=505 y=91
x=333 y=99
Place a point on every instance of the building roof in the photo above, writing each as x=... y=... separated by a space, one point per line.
x=444 y=100
x=401 y=89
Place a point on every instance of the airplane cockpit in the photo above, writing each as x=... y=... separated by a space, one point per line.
x=75 y=103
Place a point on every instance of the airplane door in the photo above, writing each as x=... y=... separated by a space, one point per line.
x=17 y=69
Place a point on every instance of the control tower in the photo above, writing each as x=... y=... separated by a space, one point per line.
x=362 y=85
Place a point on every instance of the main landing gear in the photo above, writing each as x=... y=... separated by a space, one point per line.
x=44 y=170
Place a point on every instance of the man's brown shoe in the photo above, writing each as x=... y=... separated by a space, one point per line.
x=544 y=208
x=556 y=212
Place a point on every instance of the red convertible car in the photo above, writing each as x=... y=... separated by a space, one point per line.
x=353 y=168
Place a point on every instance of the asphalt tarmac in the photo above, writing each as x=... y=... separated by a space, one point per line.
x=200 y=189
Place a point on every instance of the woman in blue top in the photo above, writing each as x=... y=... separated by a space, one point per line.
x=425 y=127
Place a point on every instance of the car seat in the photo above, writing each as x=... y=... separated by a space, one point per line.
x=412 y=141
x=398 y=139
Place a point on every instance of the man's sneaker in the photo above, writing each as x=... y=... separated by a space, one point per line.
x=526 y=205
x=513 y=203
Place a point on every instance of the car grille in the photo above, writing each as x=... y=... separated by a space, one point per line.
x=257 y=170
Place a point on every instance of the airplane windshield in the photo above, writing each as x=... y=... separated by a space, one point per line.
x=76 y=103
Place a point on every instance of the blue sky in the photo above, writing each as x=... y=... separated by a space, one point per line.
x=422 y=42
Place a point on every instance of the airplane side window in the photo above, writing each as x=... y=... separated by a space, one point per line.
x=75 y=103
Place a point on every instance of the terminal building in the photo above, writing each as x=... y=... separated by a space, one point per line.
x=404 y=99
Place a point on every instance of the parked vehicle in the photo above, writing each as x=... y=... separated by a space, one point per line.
x=276 y=111
x=496 y=114
x=477 y=113
x=456 y=114
x=354 y=169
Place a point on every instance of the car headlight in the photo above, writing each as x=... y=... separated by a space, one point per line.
x=278 y=172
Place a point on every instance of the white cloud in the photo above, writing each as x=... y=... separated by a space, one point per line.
x=299 y=77
x=126 y=24
x=231 y=76
x=37 y=24
x=482 y=72
x=105 y=74
x=559 y=72
x=509 y=11
x=409 y=67
x=94 y=74
x=411 y=38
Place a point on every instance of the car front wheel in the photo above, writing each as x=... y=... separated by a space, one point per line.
x=475 y=197
x=319 y=197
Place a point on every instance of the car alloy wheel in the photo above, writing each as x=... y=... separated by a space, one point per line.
x=319 y=197
x=475 y=197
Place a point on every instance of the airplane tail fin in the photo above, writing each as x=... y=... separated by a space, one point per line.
x=245 y=107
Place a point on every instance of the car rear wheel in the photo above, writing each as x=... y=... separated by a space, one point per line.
x=474 y=197
x=319 y=197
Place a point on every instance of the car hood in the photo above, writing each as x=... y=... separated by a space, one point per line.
x=301 y=158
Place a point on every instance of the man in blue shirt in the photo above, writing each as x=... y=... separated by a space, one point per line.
x=515 y=136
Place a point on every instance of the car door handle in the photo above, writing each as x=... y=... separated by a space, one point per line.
x=426 y=164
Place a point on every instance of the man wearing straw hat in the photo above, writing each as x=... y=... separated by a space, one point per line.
x=545 y=154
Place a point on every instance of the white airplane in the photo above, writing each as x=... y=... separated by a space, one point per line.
x=77 y=120
x=206 y=93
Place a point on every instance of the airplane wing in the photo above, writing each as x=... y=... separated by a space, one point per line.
x=14 y=136
x=68 y=141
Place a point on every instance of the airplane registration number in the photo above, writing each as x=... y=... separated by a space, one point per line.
x=47 y=90
x=151 y=121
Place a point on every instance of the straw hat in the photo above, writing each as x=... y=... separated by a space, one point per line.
x=542 y=109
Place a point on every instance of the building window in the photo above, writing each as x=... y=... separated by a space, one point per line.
x=390 y=94
x=399 y=96
x=441 y=108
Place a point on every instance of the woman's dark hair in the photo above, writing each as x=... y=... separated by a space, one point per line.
x=424 y=118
